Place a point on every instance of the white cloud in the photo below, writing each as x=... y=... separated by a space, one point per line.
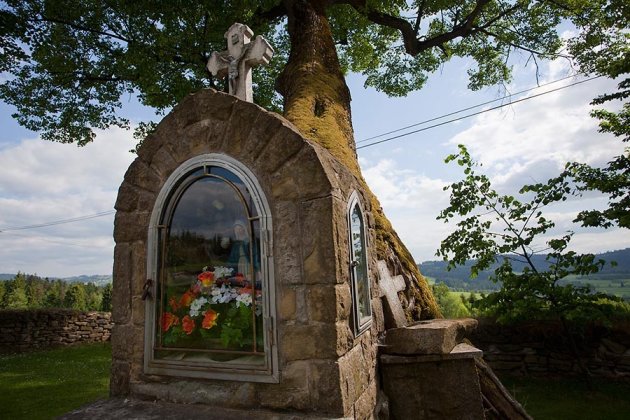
x=532 y=140
x=45 y=181
x=411 y=201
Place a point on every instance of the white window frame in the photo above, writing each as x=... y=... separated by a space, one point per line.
x=359 y=325
x=214 y=371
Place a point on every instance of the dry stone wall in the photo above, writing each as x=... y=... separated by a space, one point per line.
x=22 y=330
x=540 y=348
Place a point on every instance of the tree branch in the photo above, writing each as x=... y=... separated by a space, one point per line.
x=419 y=18
x=414 y=46
x=81 y=27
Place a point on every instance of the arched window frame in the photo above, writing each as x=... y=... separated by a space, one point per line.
x=359 y=325
x=162 y=367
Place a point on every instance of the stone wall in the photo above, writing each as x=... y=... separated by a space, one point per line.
x=541 y=348
x=22 y=330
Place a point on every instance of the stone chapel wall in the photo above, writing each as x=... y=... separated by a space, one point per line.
x=323 y=367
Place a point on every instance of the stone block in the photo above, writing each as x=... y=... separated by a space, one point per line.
x=121 y=292
x=318 y=249
x=437 y=336
x=354 y=371
x=130 y=227
x=142 y=175
x=245 y=116
x=365 y=405
x=302 y=342
x=199 y=105
x=292 y=392
x=138 y=267
x=287 y=304
x=324 y=389
x=152 y=143
x=137 y=310
x=119 y=379
x=163 y=163
x=449 y=388
x=268 y=125
x=277 y=152
x=301 y=177
x=328 y=303
x=286 y=243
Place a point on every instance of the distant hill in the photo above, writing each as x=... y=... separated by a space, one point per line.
x=98 y=279
x=459 y=277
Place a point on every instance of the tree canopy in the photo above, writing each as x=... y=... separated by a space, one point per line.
x=68 y=65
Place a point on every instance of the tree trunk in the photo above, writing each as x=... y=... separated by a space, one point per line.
x=317 y=101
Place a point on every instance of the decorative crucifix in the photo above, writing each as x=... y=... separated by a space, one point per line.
x=236 y=63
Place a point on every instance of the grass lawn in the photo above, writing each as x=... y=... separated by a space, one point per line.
x=45 y=384
x=548 y=398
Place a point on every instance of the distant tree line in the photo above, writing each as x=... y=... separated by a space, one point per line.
x=27 y=291
x=458 y=278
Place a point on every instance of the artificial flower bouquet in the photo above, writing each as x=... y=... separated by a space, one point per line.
x=216 y=311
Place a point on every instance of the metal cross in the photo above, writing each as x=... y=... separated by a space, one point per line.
x=236 y=63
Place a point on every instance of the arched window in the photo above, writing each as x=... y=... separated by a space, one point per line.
x=212 y=314
x=361 y=303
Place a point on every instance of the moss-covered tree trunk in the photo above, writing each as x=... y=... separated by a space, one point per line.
x=317 y=101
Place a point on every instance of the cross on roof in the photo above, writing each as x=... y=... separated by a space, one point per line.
x=236 y=63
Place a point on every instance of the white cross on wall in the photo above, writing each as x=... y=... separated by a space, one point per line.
x=236 y=63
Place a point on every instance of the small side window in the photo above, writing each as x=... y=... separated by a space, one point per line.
x=361 y=304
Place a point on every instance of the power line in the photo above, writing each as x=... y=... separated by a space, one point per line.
x=464 y=109
x=55 y=242
x=58 y=222
x=477 y=113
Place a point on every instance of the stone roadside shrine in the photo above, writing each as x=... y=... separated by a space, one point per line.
x=245 y=278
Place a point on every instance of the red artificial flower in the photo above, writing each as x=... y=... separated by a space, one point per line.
x=206 y=278
x=187 y=298
x=173 y=304
x=188 y=324
x=247 y=290
x=168 y=320
x=209 y=319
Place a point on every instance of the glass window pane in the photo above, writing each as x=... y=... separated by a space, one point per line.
x=238 y=183
x=361 y=286
x=210 y=306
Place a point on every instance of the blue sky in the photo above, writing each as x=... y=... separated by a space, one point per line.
x=529 y=141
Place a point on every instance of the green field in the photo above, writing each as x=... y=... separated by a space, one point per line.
x=46 y=384
x=568 y=398
x=616 y=287
x=619 y=288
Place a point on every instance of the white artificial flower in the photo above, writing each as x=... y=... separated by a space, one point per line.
x=245 y=299
x=222 y=272
x=196 y=305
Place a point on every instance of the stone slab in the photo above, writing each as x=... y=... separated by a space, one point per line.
x=437 y=336
x=120 y=408
x=460 y=351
